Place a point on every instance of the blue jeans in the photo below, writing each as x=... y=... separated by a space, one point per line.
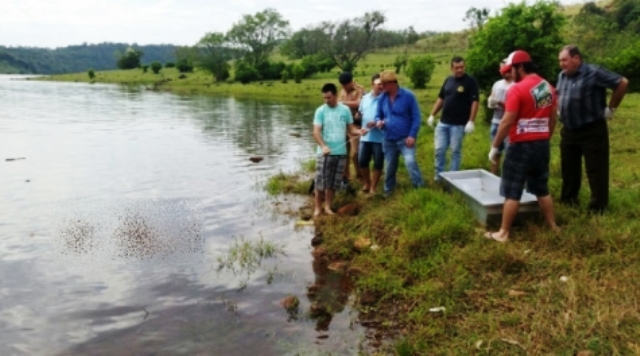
x=448 y=136
x=392 y=151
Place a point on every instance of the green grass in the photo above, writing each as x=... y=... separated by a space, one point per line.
x=432 y=253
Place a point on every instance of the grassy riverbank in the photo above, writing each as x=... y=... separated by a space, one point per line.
x=538 y=294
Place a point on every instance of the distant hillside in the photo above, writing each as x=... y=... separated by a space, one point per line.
x=71 y=59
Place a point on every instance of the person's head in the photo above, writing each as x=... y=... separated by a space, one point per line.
x=570 y=59
x=376 y=84
x=346 y=80
x=507 y=74
x=457 y=66
x=330 y=94
x=389 y=81
x=519 y=64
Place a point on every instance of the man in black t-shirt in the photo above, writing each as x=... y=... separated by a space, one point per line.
x=458 y=100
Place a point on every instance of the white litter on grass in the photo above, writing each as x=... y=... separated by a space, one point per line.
x=374 y=248
x=438 y=309
x=564 y=279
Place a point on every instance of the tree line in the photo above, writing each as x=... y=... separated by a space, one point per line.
x=78 y=58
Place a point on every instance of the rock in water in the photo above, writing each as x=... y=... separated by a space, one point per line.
x=256 y=159
x=290 y=303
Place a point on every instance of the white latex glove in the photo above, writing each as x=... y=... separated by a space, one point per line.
x=608 y=113
x=430 y=121
x=492 y=154
x=469 y=128
x=492 y=103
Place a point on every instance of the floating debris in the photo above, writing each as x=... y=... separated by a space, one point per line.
x=14 y=159
x=256 y=159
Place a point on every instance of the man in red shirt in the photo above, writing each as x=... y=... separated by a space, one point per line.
x=529 y=120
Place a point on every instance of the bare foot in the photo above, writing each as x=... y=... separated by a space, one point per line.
x=372 y=191
x=328 y=211
x=498 y=236
x=316 y=213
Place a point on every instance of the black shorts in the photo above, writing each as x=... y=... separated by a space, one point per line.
x=370 y=150
x=526 y=162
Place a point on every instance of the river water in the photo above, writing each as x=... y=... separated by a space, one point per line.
x=117 y=207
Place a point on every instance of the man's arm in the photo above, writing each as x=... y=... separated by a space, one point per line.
x=619 y=93
x=354 y=104
x=317 y=135
x=354 y=130
x=474 y=111
x=437 y=106
x=507 y=121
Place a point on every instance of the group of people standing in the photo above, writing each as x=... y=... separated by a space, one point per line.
x=384 y=123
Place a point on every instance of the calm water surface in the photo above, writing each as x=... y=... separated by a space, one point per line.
x=113 y=224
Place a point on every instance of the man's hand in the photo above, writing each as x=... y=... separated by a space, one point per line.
x=492 y=103
x=326 y=150
x=492 y=155
x=608 y=113
x=363 y=131
x=380 y=124
x=410 y=142
x=358 y=115
x=371 y=124
x=470 y=127
x=430 y=121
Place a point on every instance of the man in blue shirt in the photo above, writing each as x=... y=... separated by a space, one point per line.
x=399 y=116
x=371 y=140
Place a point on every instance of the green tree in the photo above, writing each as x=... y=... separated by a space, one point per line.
x=627 y=63
x=476 y=17
x=91 y=74
x=305 y=42
x=420 y=69
x=145 y=68
x=129 y=59
x=298 y=72
x=347 y=42
x=213 y=55
x=156 y=67
x=536 y=29
x=170 y=65
x=259 y=34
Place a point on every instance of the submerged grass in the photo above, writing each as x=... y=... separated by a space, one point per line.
x=537 y=294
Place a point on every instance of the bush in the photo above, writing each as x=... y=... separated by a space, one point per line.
x=145 y=68
x=270 y=70
x=536 y=29
x=246 y=73
x=91 y=74
x=285 y=76
x=627 y=63
x=184 y=66
x=155 y=67
x=169 y=65
x=420 y=69
x=129 y=59
x=298 y=73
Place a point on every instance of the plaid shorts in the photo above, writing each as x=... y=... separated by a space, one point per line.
x=526 y=162
x=329 y=171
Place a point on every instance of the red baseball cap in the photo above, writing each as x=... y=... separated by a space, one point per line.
x=515 y=57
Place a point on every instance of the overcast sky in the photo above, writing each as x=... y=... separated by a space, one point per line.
x=58 y=23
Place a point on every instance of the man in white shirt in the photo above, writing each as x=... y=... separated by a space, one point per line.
x=496 y=102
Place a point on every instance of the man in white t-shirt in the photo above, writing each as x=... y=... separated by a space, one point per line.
x=496 y=102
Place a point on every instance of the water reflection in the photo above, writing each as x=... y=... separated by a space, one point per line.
x=98 y=253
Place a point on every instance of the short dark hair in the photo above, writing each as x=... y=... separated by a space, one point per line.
x=330 y=88
x=528 y=67
x=456 y=59
x=374 y=77
x=345 y=78
x=573 y=50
